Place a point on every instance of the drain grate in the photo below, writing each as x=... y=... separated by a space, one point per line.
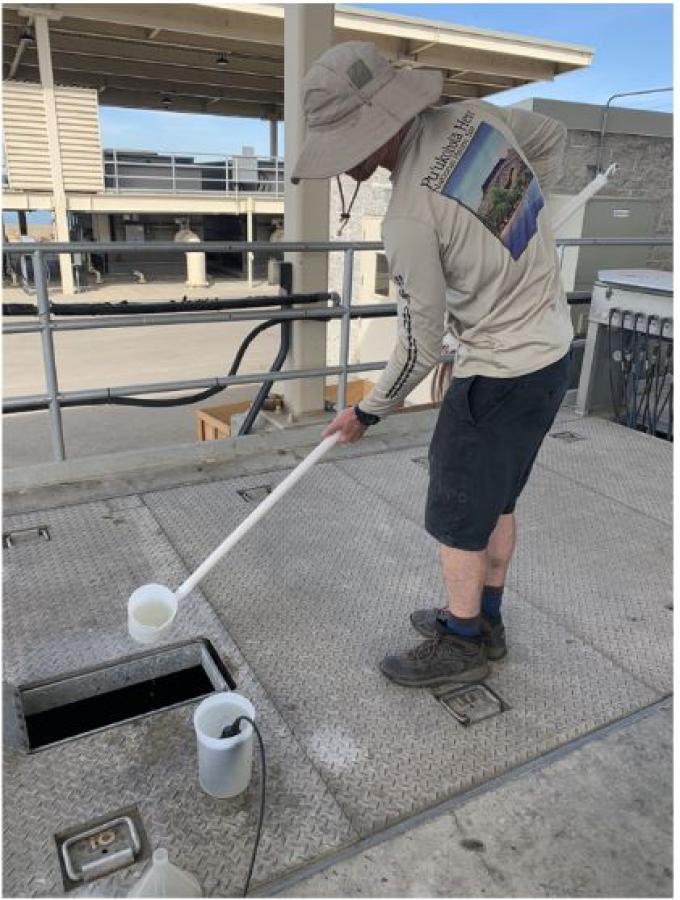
x=472 y=703
x=102 y=846
x=82 y=702
x=255 y=494
x=569 y=437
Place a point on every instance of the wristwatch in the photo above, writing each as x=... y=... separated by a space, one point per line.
x=364 y=417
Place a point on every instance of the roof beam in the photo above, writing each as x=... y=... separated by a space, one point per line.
x=160 y=51
x=113 y=65
x=162 y=87
x=467 y=77
x=489 y=64
x=241 y=24
x=228 y=107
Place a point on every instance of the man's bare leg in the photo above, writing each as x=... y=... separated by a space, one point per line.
x=460 y=657
x=467 y=572
x=464 y=573
x=500 y=548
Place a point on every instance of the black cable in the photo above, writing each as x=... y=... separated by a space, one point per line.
x=612 y=389
x=625 y=365
x=231 y=731
x=127 y=307
x=660 y=382
x=249 y=338
x=266 y=386
x=208 y=392
x=667 y=371
x=636 y=350
x=650 y=366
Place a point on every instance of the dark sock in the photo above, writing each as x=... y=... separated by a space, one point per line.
x=470 y=629
x=492 y=597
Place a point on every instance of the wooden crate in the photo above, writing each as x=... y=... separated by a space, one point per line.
x=213 y=422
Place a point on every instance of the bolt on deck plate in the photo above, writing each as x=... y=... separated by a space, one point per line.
x=102 y=846
x=569 y=437
x=471 y=703
x=79 y=703
x=255 y=494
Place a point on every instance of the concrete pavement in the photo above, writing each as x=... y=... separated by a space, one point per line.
x=592 y=820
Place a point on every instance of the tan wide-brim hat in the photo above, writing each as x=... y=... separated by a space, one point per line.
x=354 y=101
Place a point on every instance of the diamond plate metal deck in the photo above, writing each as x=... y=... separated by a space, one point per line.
x=301 y=611
x=331 y=575
x=601 y=569
x=65 y=608
x=633 y=468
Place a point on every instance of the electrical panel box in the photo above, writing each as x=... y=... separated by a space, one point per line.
x=603 y=217
x=613 y=218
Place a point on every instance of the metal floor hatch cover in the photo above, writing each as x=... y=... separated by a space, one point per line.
x=322 y=589
x=65 y=608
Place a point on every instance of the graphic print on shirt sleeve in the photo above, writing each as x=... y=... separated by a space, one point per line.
x=411 y=343
x=480 y=169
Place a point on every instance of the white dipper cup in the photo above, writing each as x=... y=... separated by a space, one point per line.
x=152 y=608
x=151 y=611
x=224 y=764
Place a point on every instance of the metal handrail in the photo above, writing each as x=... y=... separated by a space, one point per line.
x=201 y=246
x=185 y=173
x=281 y=246
x=53 y=399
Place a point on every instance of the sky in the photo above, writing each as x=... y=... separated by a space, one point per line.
x=632 y=44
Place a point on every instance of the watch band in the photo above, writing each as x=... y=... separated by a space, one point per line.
x=364 y=417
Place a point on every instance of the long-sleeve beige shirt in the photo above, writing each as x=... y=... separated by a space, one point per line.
x=470 y=247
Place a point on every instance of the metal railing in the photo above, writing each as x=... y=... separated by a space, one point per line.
x=131 y=171
x=53 y=399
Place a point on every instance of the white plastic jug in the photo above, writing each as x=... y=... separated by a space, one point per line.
x=163 y=879
x=224 y=764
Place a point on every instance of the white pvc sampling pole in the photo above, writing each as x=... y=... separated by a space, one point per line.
x=581 y=199
x=261 y=510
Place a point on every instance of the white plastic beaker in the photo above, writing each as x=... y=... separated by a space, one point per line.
x=151 y=611
x=224 y=764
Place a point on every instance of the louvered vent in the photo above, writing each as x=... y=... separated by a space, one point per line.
x=27 y=152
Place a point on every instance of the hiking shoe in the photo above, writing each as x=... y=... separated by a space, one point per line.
x=442 y=659
x=493 y=633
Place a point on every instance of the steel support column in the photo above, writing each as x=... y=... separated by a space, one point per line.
x=42 y=39
x=273 y=138
x=308 y=32
x=249 y=238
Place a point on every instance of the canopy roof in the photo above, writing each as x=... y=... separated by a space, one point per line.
x=227 y=59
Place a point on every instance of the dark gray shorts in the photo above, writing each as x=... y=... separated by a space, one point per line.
x=483 y=448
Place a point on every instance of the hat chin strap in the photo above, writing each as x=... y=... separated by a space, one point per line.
x=345 y=215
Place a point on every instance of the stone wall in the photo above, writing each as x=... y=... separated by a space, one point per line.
x=645 y=172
